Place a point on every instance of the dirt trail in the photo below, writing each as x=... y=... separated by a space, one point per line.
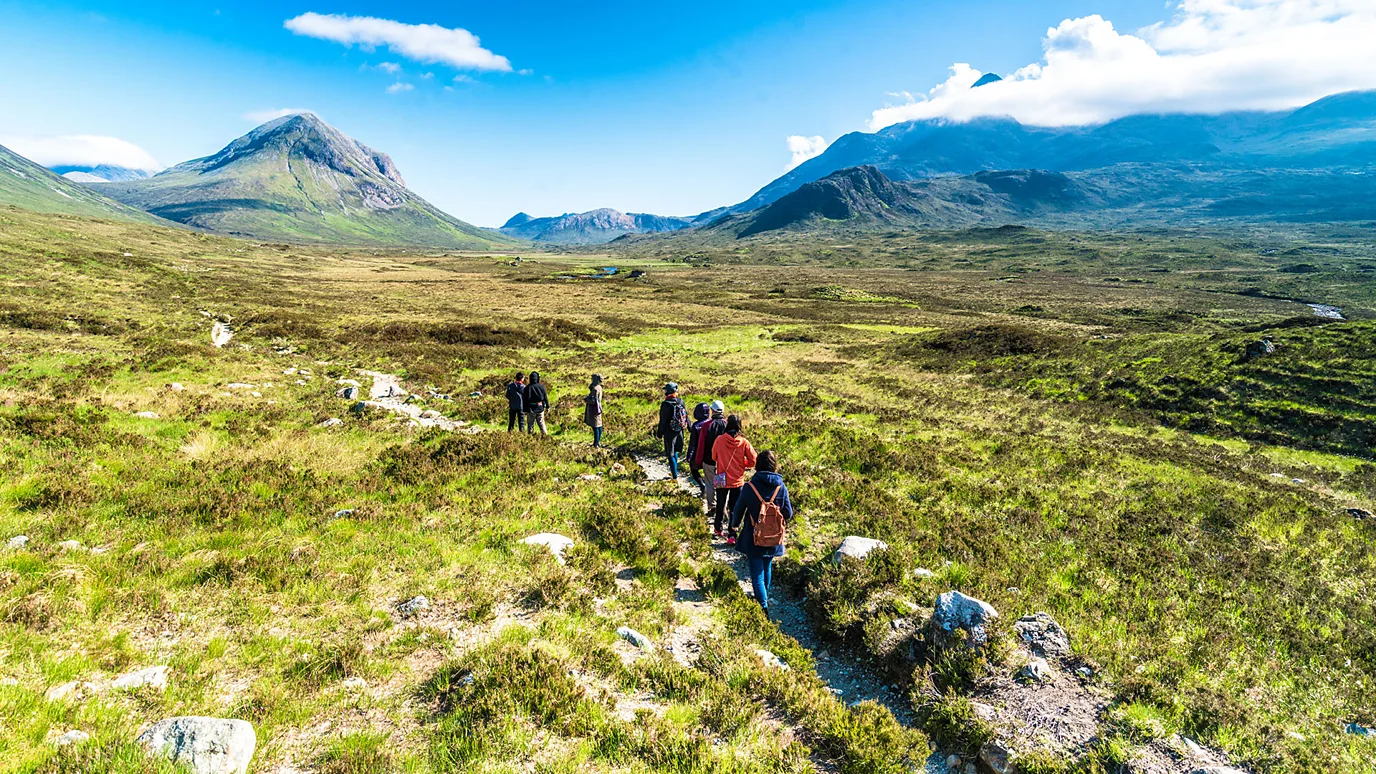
x=387 y=394
x=848 y=678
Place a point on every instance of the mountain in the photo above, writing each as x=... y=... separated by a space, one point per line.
x=298 y=179
x=30 y=186
x=589 y=228
x=1336 y=134
x=102 y=173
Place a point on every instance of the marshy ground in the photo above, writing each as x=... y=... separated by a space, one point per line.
x=1062 y=423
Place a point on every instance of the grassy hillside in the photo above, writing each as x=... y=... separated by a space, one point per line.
x=29 y=186
x=262 y=557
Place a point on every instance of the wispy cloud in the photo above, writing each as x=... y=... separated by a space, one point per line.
x=390 y=67
x=82 y=150
x=399 y=87
x=1211 y=56
x=428 y=43
x=263 y=116
x=804 y=148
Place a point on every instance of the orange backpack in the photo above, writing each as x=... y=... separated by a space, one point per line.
x=767 y=529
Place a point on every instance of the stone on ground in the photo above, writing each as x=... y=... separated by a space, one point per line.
x=1036 y=670
x=72 y=737
x=71 y=545
x=635 y=638
x=1217 y=770
x=1043 y=636
x=413 y=605
x=69 y=690
x=556 y=544
x=857 y=548
x=770 y=660
x=996 y=757
x=18 y=543
x=147 y=415
x=204 y=745
x=955 y=610
x=331 y=422
x=220 y=335
x=152 y=677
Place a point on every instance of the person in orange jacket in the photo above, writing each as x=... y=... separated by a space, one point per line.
x=734 y=457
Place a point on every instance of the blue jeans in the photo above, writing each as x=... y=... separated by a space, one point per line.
x=761 y=578
x=597 y=436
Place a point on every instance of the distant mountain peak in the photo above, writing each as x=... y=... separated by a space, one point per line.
x=519 y=219
x=592 y=227
x=986 y=79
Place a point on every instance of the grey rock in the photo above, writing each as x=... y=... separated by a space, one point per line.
x=204 y=745
x=1259 y=349
x=996 y=757
x=344 y=513
x=71 y=545
x=970 y=768
x=635 y=638
x=955 y=610
x=68 y=690
x=413 y=605
x=18 y=543
x=857 y=548
x=152 y=677
x=555 y=543
x=1043 y=636
x=1217 y=770
x=72 y=737
x=770 y=660
x=331 y=422
x=147 y=415
x=953 y=761
x=1036 y=670
x=348 y=393
x=923 y=572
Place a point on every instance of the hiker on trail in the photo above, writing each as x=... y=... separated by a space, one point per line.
x=700 y=414
x=537 y=402
x=734 y=457
x=673 y=420
x=764 y=513
x=516 y=403
x=592 y=410
x=708 y=432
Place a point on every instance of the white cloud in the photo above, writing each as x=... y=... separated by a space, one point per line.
x=82 y=150
x=399 y=87
x=1211 y=56
x=429 y=43
x=390 y=67
x=804 y=148
x=461 y=78
x=263 y=116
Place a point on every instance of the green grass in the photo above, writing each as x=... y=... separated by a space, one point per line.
x=1214 y=599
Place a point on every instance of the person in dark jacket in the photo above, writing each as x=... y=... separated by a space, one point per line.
x=673 y=420
x=516 y=403
x=592 y=409
x=707 y=435
x=762 y=487
x=536 y=403
x=700 y=415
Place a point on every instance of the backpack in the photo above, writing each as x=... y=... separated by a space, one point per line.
x=680 y=414
x=767 y=529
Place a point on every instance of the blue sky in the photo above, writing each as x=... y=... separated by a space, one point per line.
x=672 y=108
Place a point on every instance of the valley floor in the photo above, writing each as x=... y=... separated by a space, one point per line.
x=1026 y=428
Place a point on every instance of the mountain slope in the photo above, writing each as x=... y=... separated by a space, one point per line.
x=1336 y=131
x=299 y=179
x=30 y=186
x=589 y=228
x=103 y=173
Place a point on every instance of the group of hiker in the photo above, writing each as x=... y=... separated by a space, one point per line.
x=750 y=511
x=528 y=402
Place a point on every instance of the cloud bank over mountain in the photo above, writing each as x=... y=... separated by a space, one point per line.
x=1211 y=56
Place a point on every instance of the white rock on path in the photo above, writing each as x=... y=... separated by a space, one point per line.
x=205 y=745
x=152 y=677
x=635 y=638
x=955 y=610
x=857 y=548
x=18 y=543
x=556 y=544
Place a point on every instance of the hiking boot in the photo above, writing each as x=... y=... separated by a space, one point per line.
x=730 y=541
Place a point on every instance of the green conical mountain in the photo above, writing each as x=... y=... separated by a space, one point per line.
x=299 y=179
x=29 y=186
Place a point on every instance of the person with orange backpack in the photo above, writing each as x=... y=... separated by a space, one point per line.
x=764 y=513
x=734 y=457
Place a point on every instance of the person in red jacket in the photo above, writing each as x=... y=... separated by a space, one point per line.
x=734 y=457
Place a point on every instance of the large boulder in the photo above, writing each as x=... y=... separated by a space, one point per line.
x=857 y=548
x=955 y=610
x=1043 y=636
x=204 y=745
